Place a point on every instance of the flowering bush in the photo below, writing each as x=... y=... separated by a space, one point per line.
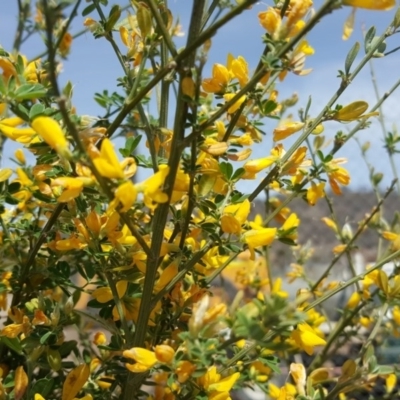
x=108 y=253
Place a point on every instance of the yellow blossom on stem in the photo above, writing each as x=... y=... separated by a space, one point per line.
x=107 y=163
x=252 y=167
x=337 y=175
x=99 y=339
x=287 y=128
x=270 y=20
x=219 y=81
x=315 y=192
x=298 y=9
x=238 y=68
x=353 y=301
x=72 y=188
x=299 y=376
x=235 y=106
x=146 y=359
x=125 y=195
x=50 y=131
x=391 y=381
x=216 y=386
x=234 y=216
x=307 y=338
x=383 y=5
x=259 y=237
x=394 y=238
x=277 y=289
x=152 y=188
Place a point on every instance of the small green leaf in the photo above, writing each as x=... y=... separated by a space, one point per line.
x=351 y=56
x=113 y=18
x=13 y=187
x=396 y=20
x=226 y=170
x=88 y=10
x=36 y=110
x=29 y=91
x=43 y=386
x=13 y=344
x=238 y=173
x=368 y=38
x=268 y=107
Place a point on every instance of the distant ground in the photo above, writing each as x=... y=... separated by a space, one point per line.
x=350 y=207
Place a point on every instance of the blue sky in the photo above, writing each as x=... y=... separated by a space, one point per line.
x=92 y=67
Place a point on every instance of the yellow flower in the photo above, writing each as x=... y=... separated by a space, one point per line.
x=65 y=44
x=276 y=289
x=396 y=315
x=371 y=4
x=252 y=167
x=353 y=301
x=99 y=339
x=50 y=131
x=287 y=128
x=259 y=237
x=72 y=188
x=107 y=163
x=126 y=195
x=219 y=81
x=19 y=155
x=8 y=127
x=152 y=188
x=235 y=106
x=184 y=371
x=315 y=192
x=337 y=175
x=391 y=381
x=298 y=9
x=146 y=359
x=394 y=238
x=215 y=386
x=299 y=375
x=234 y=216
x=307 y=338
x=5 y=174
x=270 y=20
x=238 y=68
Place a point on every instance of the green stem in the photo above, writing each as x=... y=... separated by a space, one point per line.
x=351 y=281
x=198 y=40
x=23 y=12
x=360 y=230
x=163 y=29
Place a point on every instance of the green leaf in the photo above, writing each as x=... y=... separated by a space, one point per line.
x=226 y=170
x=383 y=370
x=268 y=107
x=351 y=56
x=14 y=187
x=43 y=386
x=36 y=110
x=396 y=20
x=113 y=18
x=368 y=38
x=11 y=200
x=29 y=91
x=130 y=145
x=40 y=196
x=238 y=173
x=88 y=10
x=46 y=338
x=13 y=344
x=3 y=89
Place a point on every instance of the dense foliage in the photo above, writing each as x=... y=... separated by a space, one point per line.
x=108 y=254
